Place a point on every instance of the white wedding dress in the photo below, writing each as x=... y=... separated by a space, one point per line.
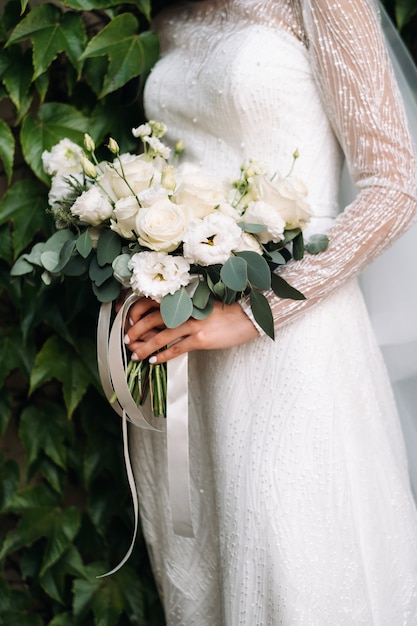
x=302 y=510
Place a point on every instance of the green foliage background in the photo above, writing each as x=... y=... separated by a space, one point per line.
x=65 y=513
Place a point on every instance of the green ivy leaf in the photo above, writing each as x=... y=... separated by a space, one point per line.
x=283 y=290
x=64 y=528
x=262 y=312
x=176 y=308
x=6 y=244
x=259 y=274
x=32 y=498
x=234 y=273
x=13 y=354
x=404 y=11
x=5 y=409
x=130 y=54
x=44 y=431
x=16 y=73
x=9 y=483
x=24 y=204
x=52 y=32
x=59 y=360
x=54 y=121
x=7 y=145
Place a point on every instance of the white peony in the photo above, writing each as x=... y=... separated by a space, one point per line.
x=138 y=172
x=211 y=240
x=63 y=188
x=162 y=225
x=266 y=215
x=125 y=213
x=199 y=192
x=64 y=158
x=155 y=274
x=92 y=207
x=288 y=197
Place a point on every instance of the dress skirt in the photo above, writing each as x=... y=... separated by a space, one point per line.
x=302 y=510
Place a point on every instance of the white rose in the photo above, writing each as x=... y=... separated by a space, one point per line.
x=162 y=225
x=201 y=193
x=266 y=215
x=92 y=207
x=64 y=158
x=155 y=274
x=287 y=195
x=124 y=217
x=138 y=172
x=149 y=196
x=211 y=240
x=64 y=188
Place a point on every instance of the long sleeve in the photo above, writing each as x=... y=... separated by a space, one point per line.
x=359 y=92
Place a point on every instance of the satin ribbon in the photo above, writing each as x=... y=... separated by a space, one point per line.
x=112 y=361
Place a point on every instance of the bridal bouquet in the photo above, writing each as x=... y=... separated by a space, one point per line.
x=171 y=233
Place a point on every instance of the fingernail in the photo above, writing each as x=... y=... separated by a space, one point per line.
x=134 y=357
x=126 y=339
x=152 y=359
x=131 y=322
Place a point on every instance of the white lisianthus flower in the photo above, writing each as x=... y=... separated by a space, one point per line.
x=144 y=130
x=231 y=211
x=162 y=225
x=266 y=215
x=156 y=274
x=124 y=216
x=211 y=240
x=64 y=158
x=92 y=207
x=138 y=172
x=248 y=243
x=287 y=195
x=158 y=147
x=201 y=193
x=63 y=188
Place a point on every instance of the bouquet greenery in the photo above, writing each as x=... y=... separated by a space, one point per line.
x=169 y=232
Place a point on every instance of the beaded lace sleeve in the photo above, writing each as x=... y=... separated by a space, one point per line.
x=359 y=91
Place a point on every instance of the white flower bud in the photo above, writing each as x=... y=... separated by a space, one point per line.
x=88 y=167
x=113 y=146
x=168 y=179
x=89 y=144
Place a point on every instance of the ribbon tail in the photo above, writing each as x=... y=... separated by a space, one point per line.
x=178 y=446
x=134 y=494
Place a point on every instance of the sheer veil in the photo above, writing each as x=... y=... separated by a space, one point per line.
x=390 y=283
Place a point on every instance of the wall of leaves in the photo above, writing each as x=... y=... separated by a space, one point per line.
x=65 y=513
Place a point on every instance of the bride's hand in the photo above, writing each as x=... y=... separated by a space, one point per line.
x=225 y=327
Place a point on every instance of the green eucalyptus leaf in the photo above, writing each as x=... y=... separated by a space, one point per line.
x=259 y=273
x=176 y=308
x=109 y=246
x=289 y=235
x=21 y=267
x=234 y=273
x=84 y=244
x=251 y=228
x=262 y=312
x=317 y=243
x=76 y=266
x=283 y=290
x=130 y=54
x=108 y=291
x=53 y=122
x=276 y=257
x=219 y=289
x=200 y=314
x=99 y=274
x=298 y=247
x=201 y=295
x=7 y=145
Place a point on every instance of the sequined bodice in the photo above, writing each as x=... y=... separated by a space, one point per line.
x=259 y=79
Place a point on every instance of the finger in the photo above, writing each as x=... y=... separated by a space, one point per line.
x=141 y=308
x=158 y=341
x=138 y=331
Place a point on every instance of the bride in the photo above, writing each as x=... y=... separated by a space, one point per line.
x=302 y=509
